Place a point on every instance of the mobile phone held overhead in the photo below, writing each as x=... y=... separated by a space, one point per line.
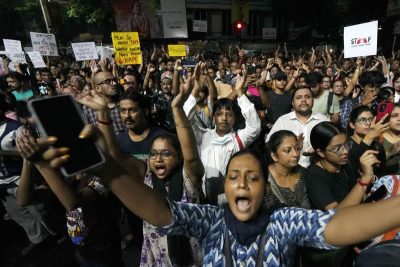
x=60 y=116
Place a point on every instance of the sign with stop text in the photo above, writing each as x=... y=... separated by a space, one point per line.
x=127 y=48
x=177 y=50
x=361 y=40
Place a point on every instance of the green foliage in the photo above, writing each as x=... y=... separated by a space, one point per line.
x=92 y=11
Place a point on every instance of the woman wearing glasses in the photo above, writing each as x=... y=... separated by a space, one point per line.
x=364 y=132
x=332 y=182
x=174 y=170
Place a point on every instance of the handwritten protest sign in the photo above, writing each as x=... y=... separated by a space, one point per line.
x=127 y=48
x=105 y=52
x=177 y=50
x=37 y=59
x=12 y=45
x=84 y=51
x=360 y=40
x=15 y=57
x=45 y=43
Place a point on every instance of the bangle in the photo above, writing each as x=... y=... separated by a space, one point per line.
x=361 y=183
x=104 y=122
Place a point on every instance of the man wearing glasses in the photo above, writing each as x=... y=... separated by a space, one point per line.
x=106 y=86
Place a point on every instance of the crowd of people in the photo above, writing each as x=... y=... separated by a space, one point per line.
x=261 y=160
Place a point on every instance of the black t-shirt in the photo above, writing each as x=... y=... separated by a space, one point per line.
x=357 y=150
x=138 y=149
x=324 y=188
x=279 y=105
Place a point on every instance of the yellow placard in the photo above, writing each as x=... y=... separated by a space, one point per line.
x=177 y=50
x=127 y=48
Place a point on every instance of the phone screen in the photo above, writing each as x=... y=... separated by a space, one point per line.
x=189 y=62
x=60 y=116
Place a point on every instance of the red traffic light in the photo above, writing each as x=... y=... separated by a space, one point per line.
x=238 y=25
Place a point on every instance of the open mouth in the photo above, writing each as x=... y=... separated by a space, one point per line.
x=243 y=204
x=160 y=170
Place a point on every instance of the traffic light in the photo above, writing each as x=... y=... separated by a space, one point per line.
x=239 y=25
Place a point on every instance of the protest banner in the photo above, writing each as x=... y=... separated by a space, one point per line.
x=12 y=45
x=127 y=48
x=177 y=50
x=37 y=59
x=45 y=43
x=360 y=40
x=84 y=51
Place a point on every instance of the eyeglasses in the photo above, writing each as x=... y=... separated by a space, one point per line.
x=108 y=81
x=326 y=81
x=339 y=149
x=365 y=121
x=165 y=154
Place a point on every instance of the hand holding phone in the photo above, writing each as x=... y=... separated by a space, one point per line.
x=61 y=117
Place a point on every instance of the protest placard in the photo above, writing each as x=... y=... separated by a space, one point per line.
x=177 y=50
x=199 y=25
x=12 y=45
x=15 y=56
x=360 y=40
x=37 y=59
x=84 y=51
x=127 y=48
x=105 y=52
x=45 y=43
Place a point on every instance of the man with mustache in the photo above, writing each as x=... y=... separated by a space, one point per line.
x=300 y=121
x=135 y=141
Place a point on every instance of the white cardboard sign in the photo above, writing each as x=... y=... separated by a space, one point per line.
x=361 y=40
x=199 y=25
x=37 y=59
x=84 y=51
x=12 y=45
x=45 y=43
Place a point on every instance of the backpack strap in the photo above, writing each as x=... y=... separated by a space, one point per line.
x=391 y=234
x=330 y=101
x=240 y=143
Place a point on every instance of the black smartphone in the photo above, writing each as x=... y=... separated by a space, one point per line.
x=60 y=116
x=189 y=62
x=379 y=194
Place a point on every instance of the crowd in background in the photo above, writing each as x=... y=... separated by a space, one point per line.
x=322 y=132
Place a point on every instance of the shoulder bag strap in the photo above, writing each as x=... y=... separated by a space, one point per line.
x=241 y=146
x=260 y=253
x=227 y=250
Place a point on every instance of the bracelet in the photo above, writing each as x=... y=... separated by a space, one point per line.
x=361 y=183
x=104 y=122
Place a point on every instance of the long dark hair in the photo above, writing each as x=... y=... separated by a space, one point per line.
x=275 y=141
x=7 y=103
x=322 y=134
x=258 y=156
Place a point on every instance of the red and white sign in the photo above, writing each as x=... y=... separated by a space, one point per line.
x=361 y=40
